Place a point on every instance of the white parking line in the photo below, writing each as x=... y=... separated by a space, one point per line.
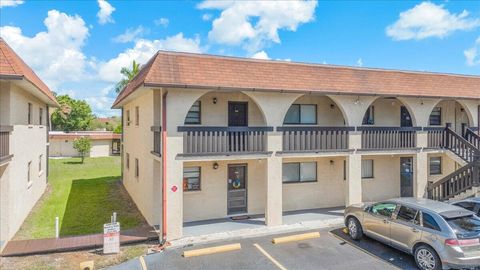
x=142 y=262
x=269 y=257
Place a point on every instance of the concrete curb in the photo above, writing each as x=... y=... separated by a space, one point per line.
x=249 y=233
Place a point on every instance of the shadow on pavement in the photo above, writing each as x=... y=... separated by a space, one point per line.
x=383 y=252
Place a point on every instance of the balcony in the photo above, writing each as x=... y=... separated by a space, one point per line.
x=5 y=155
x=315 y=138
x=388 y=138
x=157 y=141
x=212 y=140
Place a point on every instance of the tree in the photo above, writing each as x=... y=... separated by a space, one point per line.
x=128 y=75
x=72 y=115
x=83 y=146
x=118 y=129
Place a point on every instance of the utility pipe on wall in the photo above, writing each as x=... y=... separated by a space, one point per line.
x=164 y=167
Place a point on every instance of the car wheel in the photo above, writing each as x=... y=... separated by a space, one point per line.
x=427 y=259
x=354 y=228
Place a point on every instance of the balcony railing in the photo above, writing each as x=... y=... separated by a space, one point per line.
x=388 y=137
x=435 y=137
x=314 y=139
x=157 y=140
x=5 y=154
x=207 y=140
x=473 y=137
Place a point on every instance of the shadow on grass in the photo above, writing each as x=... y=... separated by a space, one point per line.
x=91 y=202
x=73 y=162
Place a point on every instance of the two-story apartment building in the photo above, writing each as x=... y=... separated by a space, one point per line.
x=24 y=122
x=209 y=137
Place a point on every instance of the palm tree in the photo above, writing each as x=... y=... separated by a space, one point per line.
x=128 y=75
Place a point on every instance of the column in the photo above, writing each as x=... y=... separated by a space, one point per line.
x=420 y=162
x=354 y=179
x=274 y=204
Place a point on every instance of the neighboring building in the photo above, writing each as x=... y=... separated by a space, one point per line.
x=247 y=136
x=24 y=123
x=104 y=143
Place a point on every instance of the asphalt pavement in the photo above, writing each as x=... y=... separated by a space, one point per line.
x=332 y=250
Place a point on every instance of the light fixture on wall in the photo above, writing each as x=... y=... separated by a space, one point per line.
x=214 y=100
x=332 y=162
x=215 y=165
x=332 y=106
x=357 y=101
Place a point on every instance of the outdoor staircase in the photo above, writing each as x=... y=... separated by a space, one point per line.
x=465 y=181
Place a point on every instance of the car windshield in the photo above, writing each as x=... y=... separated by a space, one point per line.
x=466 y=226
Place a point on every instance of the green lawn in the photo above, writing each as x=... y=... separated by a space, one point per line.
x=83 y=196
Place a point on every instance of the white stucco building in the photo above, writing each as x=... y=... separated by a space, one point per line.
x=208 y=137
x=104 y=143
x=24 y=122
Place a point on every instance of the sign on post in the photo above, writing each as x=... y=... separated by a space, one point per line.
x=111 y=238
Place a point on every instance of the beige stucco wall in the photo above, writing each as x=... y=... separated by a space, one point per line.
x=27 y=144
x=139 y=144
x=448 y=166
x=327 y=191
x=211 y=201
x=64 y=148
x=385 y=183
x=217 y=114
x=387 y=112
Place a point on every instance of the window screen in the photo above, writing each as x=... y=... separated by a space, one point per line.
x=193 y=115
x=299 y=172
x=435 y=165
x=301 y=114
x=367 y=168
x=191 y=178
x=436 y=117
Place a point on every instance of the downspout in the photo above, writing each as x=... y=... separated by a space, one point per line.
x=48 y=142
x=164 y=168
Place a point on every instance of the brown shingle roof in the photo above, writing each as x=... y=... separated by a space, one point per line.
x=172 y=69
x=12 y=65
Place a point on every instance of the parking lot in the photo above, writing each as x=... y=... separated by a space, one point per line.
x=332 y=250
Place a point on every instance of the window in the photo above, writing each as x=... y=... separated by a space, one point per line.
x=465 y=227
x=29 y=169
x=299 y=172
x=137 y=116
x=436 y=117
x=301 y=114
x=435 y=165
x=409 y=215
x=136 y=168
x=369 y=117
x=127 y=160
x=367 y=168
x=344 y=170
x=191 y=178
x=194 y=114
x=467 y=205
x=29 y=113
x=40 y=116
x=128 y=117
x=429 y=222
x=383 y=209
x=40 y=163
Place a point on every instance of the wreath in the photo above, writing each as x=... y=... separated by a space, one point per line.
x=236 y=183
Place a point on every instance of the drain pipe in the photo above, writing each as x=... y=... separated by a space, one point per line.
x=164 y=168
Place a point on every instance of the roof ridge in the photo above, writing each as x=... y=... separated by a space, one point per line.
x=279 y=61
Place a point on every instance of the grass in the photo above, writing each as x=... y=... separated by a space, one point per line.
x=83 y=196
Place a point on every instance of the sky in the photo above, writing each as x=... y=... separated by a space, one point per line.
x=79 y=47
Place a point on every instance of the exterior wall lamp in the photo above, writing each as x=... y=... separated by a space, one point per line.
x=215 y=165
x=214 y=100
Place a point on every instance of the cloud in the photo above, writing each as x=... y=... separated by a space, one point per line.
x=260 y=55
x=472 y=55
x=131 y=34
x=359 y=62
x=10 y=3
x=105 y=13
x=207 y=17
x=143 y=50
x=427 y=20
x=162 y=22
x=253 y=24
x=55 y=54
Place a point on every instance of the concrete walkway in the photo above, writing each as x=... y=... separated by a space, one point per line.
x=226 y=228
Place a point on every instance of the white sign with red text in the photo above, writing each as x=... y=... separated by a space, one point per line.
x=111 y=238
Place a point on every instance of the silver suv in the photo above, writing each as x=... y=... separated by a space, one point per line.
x=439 y=235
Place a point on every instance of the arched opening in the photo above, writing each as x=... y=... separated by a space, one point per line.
x=314 y=110
x=388 y=111
x=225 y=109
x=450 y=112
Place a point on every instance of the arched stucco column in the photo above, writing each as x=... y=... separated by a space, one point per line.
x=353 y=107
x=274 y=107
x=471 y=108
x=419 y=108
x=178 y=104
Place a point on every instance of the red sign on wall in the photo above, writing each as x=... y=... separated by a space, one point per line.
x=174 y=188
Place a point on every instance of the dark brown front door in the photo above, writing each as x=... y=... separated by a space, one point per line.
x=406 y=177
x=237 y=189
x=238 y=114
